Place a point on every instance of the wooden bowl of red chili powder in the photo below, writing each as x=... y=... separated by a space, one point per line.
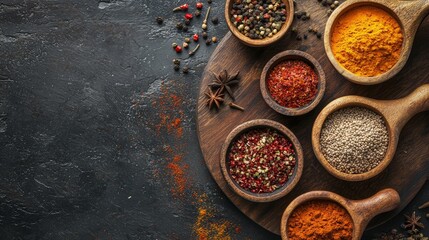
x=261 y=160
x=292 y=83
x=323 y=215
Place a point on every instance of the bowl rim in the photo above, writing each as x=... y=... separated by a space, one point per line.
x=260 y=42
x=293 y=55
x=288 y=186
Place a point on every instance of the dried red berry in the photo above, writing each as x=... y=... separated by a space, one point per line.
x=199 y=5
x=178 y=49
x=195 y=37
x=183 y=7
x=188 y=16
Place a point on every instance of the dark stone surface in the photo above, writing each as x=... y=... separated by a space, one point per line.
x=85 y=121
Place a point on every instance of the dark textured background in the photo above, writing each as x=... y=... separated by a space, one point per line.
x=82 y=139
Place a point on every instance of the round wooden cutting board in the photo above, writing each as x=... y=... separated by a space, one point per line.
x=410 y=167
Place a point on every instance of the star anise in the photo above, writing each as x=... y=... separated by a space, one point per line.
x=413 y=222
x=224 y=81
x=214 y=98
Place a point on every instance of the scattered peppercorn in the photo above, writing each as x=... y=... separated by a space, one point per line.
x=214 y=39
x=187 y=22
x=185 y=28
x=208 y=41
x=215 y=20
x=185 y=69
x=319 y=35
x=176 y=61
x=209 y=1
x=179 y=26
x=195 y=37
x=261 y=160
x=176 y=67
x=205 y=35
x=159 y=20
x=187 y=40
x=197 y=13
x=183 y=7
x=305 y=36
x=178 y=49
x=174 y=45
x=188 y=16
x=199 y=5
x=185 y=45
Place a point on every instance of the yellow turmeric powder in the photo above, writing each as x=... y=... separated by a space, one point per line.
x=367 y=41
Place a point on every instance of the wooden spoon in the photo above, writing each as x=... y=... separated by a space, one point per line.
x=396 y=114
x=361 y=211
x=409 y=15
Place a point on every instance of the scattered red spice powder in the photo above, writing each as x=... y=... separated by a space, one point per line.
x=170 y=113
x=292 y=83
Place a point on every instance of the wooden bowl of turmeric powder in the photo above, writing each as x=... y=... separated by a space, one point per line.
x=325 y=215
x=369 y=42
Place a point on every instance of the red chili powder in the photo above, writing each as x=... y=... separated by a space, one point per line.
x=292 y=83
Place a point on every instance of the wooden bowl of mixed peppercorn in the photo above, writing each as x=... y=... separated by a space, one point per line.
x=292 y=83
x=258 y=23
x=261 y=160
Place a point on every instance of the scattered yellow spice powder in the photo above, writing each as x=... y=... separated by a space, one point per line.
x=367 y=41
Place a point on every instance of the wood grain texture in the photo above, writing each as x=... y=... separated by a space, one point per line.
x=409 y=168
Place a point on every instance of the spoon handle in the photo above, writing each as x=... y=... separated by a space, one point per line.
x=383 y=201
x=399 y=111
x=411 y=13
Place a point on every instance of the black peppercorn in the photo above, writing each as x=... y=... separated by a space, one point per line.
x=185 y=69
x=205 y=35
x=215 y=20
x=319 y=35
x=176 y=61
x=305 y=36
x=176 y=67
x=209 y=1
x=197 y=13
x=208 y=41
x=187 y=22
x=159 y=20
x=185 y=28
x=179 y=26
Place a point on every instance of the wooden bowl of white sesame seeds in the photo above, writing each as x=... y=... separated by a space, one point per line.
x=355 y=138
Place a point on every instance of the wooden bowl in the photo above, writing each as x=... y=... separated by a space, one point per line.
x=288 y=186
x=409 y=15
x=293 y=55
x=361 y=211
x=260 y=42
x=396 y=113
